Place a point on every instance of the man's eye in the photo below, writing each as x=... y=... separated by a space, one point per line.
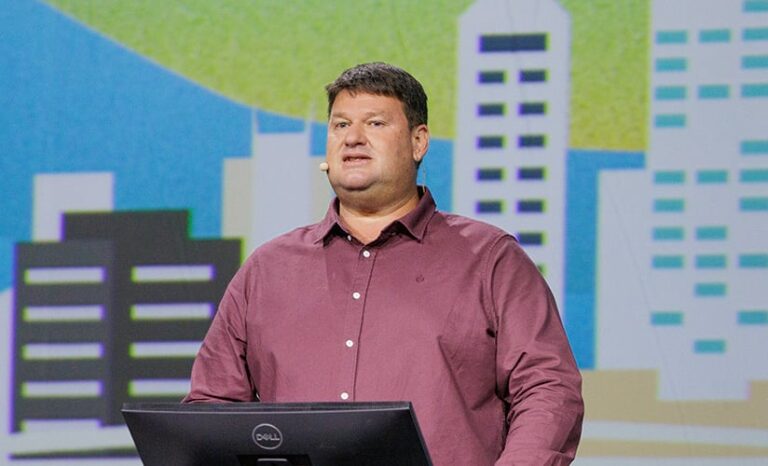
x=342 y=124
x=377 y=123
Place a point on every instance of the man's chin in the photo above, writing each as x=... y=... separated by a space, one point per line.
x=352 y=186
x=352 y=191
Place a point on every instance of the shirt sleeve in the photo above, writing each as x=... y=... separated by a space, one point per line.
x=220 y=371
x=536 y=374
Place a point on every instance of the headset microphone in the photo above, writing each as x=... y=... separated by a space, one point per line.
x=323 y=166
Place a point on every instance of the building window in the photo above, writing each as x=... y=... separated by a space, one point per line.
x=526 y=206
x=754 y=175
x=711 y=261
x=668 y=234
x=667 y=262
x=749 y=62
x=755 y=6
x=753 y=261
x=532 y=108
x=60 y=351
x=711 y=233
x=753 y=317
x=712 y=176
x=491 y=77
x=490 y=174
x=531 y=140
x=714 y=35
x=489 y=207
x=714 y=91
x=490 y=109
x=671 y=37
x=668 y=65
x=709 y=346
x=62 y=389
x=750 y=34
x=671 y=93
x=533 y=76
x=531 y=173
x=171 y=311
x=64 y=313
x=753 y=204
x=174 y=273
x=669 y=177
x=513 y=43
x=490 y=142
x=667 y=318
x=64 y=275
x=674 y=120
x=754 y=90
x=531 y=238
x=756 y=147
x=668 y=205
x=708 y=290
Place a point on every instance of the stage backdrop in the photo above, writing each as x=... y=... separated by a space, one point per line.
x=146 y=147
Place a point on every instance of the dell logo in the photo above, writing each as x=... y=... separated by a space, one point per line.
x=267 y=436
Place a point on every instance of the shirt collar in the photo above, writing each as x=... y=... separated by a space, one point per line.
x=414 y=223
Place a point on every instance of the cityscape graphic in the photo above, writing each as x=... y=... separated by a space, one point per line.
x=131 y=194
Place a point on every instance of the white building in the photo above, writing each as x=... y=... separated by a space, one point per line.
x=277 y=189
x=512 y=124
x=694 y=226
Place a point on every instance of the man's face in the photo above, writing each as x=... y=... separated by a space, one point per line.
x=370 y=147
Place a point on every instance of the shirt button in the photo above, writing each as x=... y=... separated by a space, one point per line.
x=356 y=295
x=366 y=253
x=349 y=343
x=344 y=395
x=349 y=237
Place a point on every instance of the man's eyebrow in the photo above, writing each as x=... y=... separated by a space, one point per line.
x=372 y=113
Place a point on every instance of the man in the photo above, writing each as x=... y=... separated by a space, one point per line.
x=387 y=299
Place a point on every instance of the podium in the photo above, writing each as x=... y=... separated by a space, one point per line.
x=276 y=434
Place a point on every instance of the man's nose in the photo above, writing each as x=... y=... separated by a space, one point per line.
x=355 y=135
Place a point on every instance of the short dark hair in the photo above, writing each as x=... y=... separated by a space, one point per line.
x=383 y=79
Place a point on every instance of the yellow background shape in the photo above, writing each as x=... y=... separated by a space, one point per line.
x=278 y=55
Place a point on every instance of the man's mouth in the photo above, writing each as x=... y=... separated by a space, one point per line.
x=354 y=158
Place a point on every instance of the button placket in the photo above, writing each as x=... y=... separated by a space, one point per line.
x=353 y=323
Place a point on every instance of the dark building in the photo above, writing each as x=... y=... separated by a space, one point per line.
x=111 y=314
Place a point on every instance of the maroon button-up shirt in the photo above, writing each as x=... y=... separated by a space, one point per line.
x=443 y=311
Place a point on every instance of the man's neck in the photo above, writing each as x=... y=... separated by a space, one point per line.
x=366 y=222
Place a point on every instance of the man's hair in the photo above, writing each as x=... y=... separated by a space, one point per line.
x=383 y=79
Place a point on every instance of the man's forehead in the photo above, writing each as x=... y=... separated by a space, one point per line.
x=368 y=103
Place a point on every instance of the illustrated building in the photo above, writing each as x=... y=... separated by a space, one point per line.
x=113 y=313
x=512 y=124
x=256 y=202
x=695 y=221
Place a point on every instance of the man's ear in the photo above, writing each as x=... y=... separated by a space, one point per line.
x=420 y=142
